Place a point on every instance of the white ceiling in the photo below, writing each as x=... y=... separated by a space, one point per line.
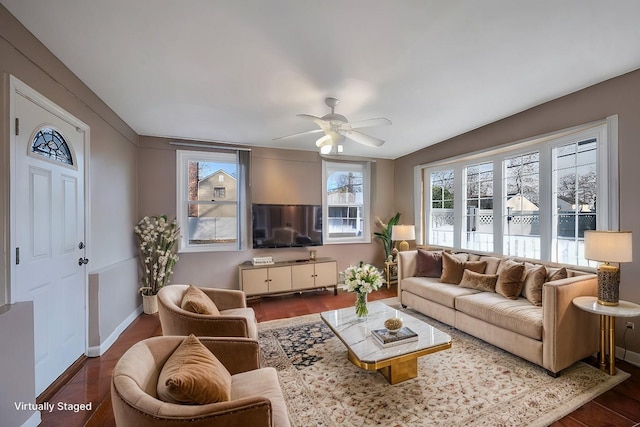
x=239 y=71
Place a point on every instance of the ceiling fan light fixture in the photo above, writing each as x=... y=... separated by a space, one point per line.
x=323 y=141
x=326 y=149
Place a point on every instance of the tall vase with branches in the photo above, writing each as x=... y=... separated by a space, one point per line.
x=157 y=238
x=385 y=235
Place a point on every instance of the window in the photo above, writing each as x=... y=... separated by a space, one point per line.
x=521 y=218
x=478 y=217
x=442 y=208
x=345 y=200
x=212 y=217
x=533 y=199
x=575 y=188
x=51 y=144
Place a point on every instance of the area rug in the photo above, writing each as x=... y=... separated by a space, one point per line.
x=471 y=384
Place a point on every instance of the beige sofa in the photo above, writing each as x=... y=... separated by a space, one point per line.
x=554 y=335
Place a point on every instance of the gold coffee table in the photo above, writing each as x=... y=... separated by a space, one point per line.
x=397 y=363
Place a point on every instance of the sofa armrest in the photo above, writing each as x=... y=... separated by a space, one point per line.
x=569 y=334
x=226 y=299
x=236 y=354
x=407 y=265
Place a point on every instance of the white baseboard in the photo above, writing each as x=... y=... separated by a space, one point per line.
x=630 y=357
x=99 y=350
x=34 y=420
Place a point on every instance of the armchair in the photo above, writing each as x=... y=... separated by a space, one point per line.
x=235 y=319
x=256 y=397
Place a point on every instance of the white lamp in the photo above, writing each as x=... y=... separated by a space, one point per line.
x=404 y=233
x=608 y=246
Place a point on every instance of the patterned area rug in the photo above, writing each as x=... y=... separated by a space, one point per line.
x=473 y=383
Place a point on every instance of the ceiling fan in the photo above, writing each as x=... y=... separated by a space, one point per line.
x=336 y=128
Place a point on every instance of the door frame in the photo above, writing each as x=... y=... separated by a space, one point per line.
x=16 y=87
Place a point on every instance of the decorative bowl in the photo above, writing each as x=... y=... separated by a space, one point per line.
x=393 y=325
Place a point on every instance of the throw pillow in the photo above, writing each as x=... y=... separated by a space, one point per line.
x=196 y=301
x=492 y=264
x=509 y=283
x=453 y=268
x=556 y=274
x=193 y=375
x=429 y=263
x=535 y=277
x=479 y=281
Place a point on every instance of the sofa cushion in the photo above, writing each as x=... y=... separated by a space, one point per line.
x=453 y=268
x=478 y=281
x=196 y=301
x=519 y=315
x=432 y=290
x=492 y=264
x=429 y=263
x=535 y=277
x=510 y=277
x=262 y=383
x=556 y=274
x=193 y=375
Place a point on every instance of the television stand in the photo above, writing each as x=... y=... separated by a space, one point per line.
x=288 y=276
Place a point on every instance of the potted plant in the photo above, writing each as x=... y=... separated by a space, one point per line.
x=385 y=235
x=157 y=239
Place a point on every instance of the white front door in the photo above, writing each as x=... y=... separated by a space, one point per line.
x=48 y=223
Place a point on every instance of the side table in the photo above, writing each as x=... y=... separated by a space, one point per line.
x=391 y=272
x=607 y=313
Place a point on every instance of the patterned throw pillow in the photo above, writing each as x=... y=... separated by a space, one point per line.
x=481 y=282
x=193 y=375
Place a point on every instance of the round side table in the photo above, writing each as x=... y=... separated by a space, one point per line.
x=607 y=313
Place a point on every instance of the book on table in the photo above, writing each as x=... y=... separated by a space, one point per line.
x=386 y=339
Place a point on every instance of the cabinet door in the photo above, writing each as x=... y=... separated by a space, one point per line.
x=279 y=279
x=302 y=276
x=326 y=273
x=254 y=281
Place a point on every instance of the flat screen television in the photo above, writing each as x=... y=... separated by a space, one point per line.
x=286 y=226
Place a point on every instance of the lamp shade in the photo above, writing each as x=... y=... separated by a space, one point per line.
x=403 y=232
x=608 y=246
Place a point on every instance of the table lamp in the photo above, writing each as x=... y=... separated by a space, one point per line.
x=608 y=246
x=404 y=233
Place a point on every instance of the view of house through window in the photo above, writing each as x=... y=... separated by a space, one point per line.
x=346 y=201
x=543 y=196
x=209 y=213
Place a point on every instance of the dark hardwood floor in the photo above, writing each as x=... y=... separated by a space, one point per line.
x=91 y=383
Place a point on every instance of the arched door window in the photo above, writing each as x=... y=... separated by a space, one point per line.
x=51 y=144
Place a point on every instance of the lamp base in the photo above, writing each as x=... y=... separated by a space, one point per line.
x=403 y=246
x=608 y=285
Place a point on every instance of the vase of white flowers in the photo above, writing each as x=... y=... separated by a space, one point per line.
x=362 y=280
x=157 y=239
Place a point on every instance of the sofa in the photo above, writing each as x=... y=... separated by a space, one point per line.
x=536 y=321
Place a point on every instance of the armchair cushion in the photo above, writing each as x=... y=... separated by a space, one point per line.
x=193 y=375
x=196 y=301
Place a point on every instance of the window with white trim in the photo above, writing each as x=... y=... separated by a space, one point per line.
x=533 y=199
x=211 y=217
x=345 y=202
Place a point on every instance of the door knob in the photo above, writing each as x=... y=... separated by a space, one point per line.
x=82 y=261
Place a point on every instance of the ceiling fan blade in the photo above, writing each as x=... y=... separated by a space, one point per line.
x=298 y=134
x=324 y=125
x=361 y=138
x=379 y=121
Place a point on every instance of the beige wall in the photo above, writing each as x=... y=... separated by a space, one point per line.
x=619 y=96
x=112 y=179
x=277 y=176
